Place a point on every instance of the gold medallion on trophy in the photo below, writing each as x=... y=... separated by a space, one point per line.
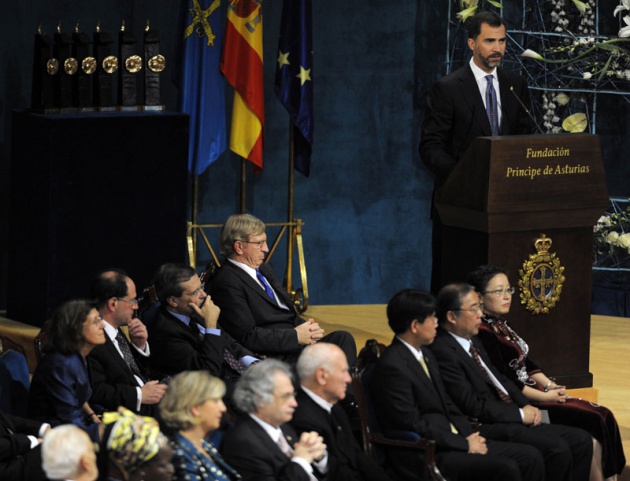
x=88 y=65
x=157 y=63
x=110 y=64
x=70 y=65
x=133 y=64
x=52 y=66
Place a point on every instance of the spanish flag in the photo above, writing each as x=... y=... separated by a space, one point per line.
x=242 y=65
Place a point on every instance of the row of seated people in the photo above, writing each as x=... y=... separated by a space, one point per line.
x=189 y=332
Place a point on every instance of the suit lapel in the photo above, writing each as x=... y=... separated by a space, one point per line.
x=252 y=284
x=472 y=97
x=109 y=346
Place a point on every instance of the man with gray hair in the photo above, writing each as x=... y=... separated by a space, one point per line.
x=68 y=453
x=255 y=309
x=324 y=377
x=262 y=446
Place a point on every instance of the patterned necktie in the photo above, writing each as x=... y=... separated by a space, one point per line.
x=504 y=397
x=284 y=446
x=266 y=285
x=234 y=363
x=491 y=106
x=423 y=363
x=123 y=345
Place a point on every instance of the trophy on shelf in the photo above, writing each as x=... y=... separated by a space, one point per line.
x=131 y=65
x=82 y=81
x=156 y=63
x=45 y=67
x=106 y=67
x=68 y=67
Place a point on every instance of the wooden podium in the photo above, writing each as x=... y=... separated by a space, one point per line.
x=505 y=193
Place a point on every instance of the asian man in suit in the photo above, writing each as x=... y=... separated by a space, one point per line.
x=479 y=390
x=409 y=395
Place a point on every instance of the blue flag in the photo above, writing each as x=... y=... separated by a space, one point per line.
x=202 y=86
x=294 y=73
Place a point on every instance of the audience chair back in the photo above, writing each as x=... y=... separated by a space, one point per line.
x=14 y=378
x=375 y=442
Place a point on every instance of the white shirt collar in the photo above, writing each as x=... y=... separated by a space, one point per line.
x=321 y=402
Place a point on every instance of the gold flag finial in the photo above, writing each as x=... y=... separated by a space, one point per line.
x=98 y=26
x=122 y=26
x=39 y=28
x=59 y=27
x=76 y=27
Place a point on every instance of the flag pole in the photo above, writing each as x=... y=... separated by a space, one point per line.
x=243 y=185
x=289 y=280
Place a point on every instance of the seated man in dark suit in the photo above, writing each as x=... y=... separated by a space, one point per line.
x=185 y=335
x=262 y=445
x=324 y=378
x=481 y=391
x=409 y=395
x=255 y=309
x=119 y=368
x=20 y=450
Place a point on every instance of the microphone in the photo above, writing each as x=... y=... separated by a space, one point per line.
x=529 y=114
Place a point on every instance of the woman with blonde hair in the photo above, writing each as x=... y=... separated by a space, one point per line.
x=193 y=407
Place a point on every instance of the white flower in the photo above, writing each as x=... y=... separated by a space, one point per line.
x=531 y=54
x=625 y=5
x=624 y=241
x=612 y=237
x=625 y=31
x=587 y=75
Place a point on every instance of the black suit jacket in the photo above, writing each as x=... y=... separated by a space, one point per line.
x=176 y=347
x=456 y=115
x=251 y=316
x=256 y=457
x=405 y=398
x=472 y=392
x=113 y=382
x=17 y=460
x=346 y=460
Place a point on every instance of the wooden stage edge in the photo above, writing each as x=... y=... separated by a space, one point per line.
x=609 y=356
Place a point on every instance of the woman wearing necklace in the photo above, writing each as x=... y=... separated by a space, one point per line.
x=193 y=408
x=509 y=353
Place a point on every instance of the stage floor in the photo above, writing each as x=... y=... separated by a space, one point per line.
x=609 y=358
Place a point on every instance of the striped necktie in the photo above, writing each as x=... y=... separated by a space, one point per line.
x=491 y=106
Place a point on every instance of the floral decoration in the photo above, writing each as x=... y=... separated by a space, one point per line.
x=611 y=236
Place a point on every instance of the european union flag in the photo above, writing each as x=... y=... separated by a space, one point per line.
x=202 y=86
x=294 y=84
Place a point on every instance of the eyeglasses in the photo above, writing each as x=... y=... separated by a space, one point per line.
x=133 y=302
x=501 y=292
x=97 y=321
x=475 y=309
x=197 y=292
x=260 y=244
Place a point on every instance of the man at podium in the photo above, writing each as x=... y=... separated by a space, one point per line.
x=477 y=100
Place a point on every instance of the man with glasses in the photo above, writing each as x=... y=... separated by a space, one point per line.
x=255 y=308
x=185 y=335
x=480 y=391
x=120 y=374
x=262 y=445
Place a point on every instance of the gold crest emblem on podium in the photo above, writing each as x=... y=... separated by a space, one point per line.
x=541 y=278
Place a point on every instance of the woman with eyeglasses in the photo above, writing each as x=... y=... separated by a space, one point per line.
x=60 y=388
x=509 y=352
